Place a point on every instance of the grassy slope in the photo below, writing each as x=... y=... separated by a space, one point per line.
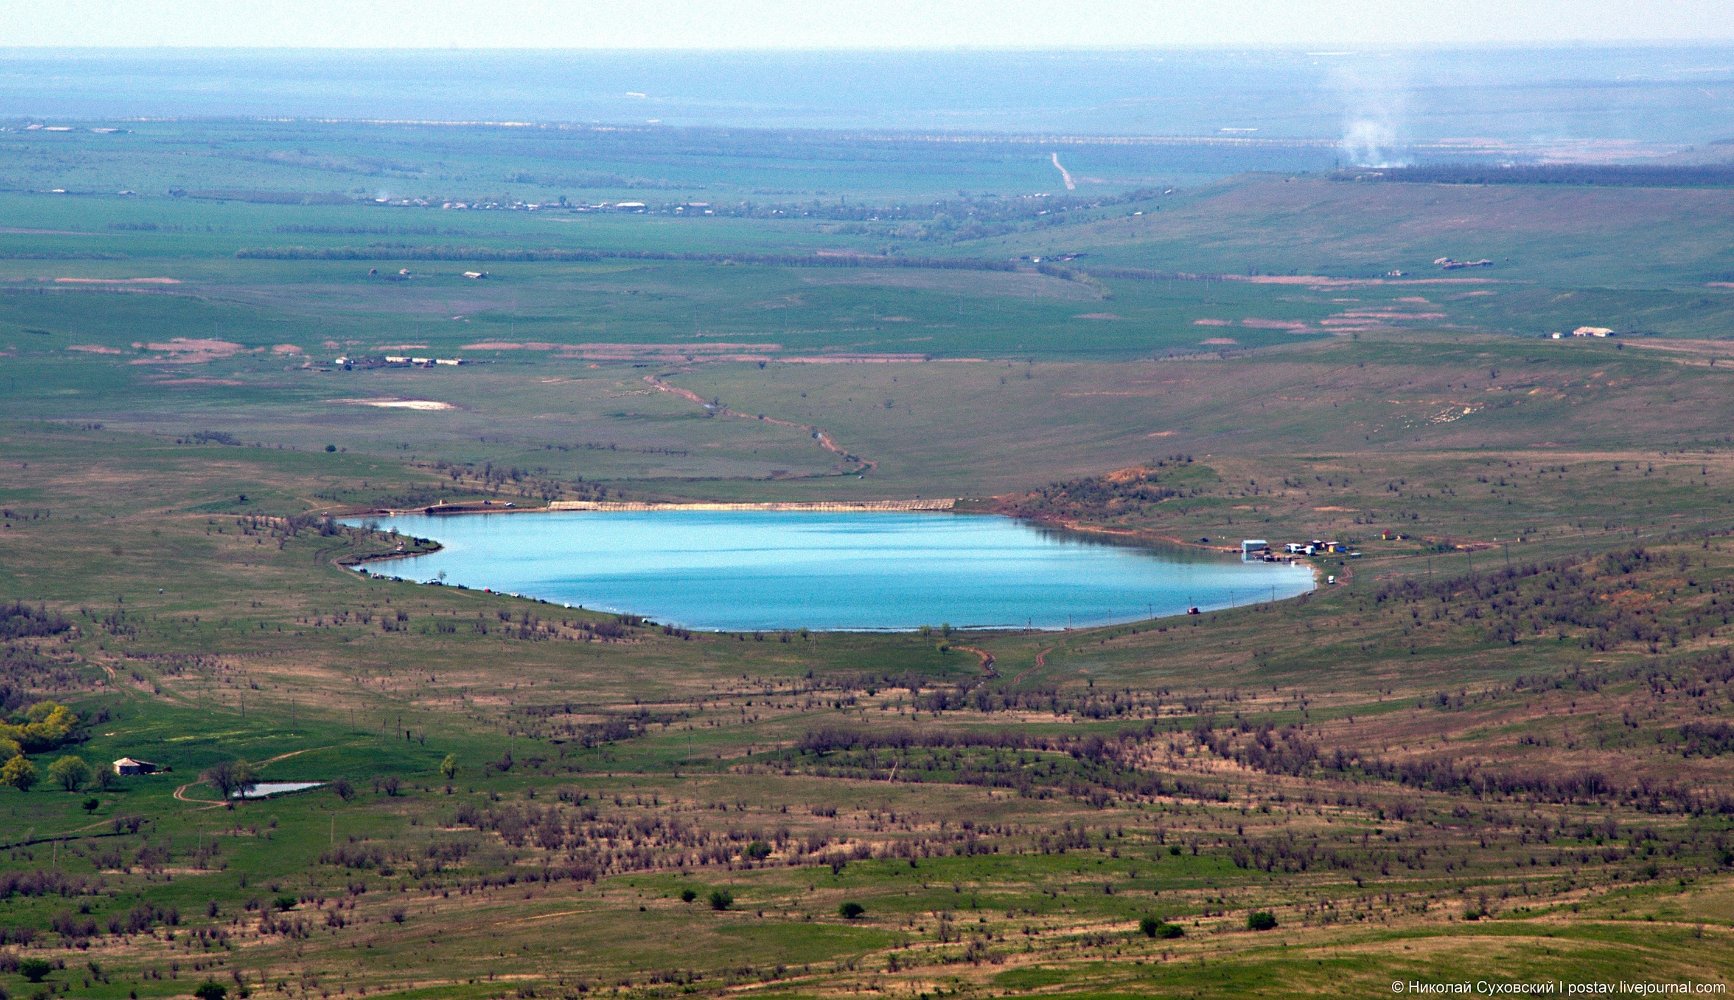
x=641 y=764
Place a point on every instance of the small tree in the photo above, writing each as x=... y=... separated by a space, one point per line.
x=35 y=970
x=210 y=989
x=688 y=895
x=1260 y=920
x=19 y=773
x=449 y=766
x=229 y=777
x=1156 y=927
x=852 y=910
x=70 y=773
x=721 y=899
x=92 y=804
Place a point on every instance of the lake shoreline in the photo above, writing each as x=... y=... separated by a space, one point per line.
x=845 y=568
x=938 y=504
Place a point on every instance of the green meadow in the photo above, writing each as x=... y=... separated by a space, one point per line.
x=1498 y=747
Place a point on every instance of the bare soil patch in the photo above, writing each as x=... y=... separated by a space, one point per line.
x=1322 y=283
x=117 y=281
x=188 y=350
x=195 y=381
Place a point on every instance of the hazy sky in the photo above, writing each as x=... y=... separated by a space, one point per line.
x=872 y=24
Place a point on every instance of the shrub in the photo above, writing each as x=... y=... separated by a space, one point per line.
x=721 y=899
x=852 y=911
x=70 y=773
x=1260 y=920
x=688 y=895
x=1156 y=927
x=35 y=970
x=210 y=989
x=19 y=773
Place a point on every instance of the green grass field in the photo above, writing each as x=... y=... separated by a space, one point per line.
x=1498 y=749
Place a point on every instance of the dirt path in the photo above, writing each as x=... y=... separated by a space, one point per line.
x=819 y=435
x=1065 y=175
x=285 y=756
x=1041 y=662
x=986 y=659
x=181 y=796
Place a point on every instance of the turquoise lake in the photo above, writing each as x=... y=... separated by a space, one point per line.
x=752 y=570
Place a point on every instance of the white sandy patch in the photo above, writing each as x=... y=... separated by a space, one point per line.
x=401 y=404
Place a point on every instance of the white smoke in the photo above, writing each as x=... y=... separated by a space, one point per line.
x=1371 y=142
x=1374 y=93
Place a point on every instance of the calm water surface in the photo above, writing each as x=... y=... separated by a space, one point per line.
x=742 y=570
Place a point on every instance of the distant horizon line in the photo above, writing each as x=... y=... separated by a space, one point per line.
x=1318 y=48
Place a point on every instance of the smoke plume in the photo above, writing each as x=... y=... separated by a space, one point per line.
x=1373 y=91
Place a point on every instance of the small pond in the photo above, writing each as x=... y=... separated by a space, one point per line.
x=266 y=789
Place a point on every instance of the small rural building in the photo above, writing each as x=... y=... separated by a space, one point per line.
x=129 y=766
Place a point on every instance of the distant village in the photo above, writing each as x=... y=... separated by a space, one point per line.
x=561 y=204
x=394 y=361
x=1260 y=550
